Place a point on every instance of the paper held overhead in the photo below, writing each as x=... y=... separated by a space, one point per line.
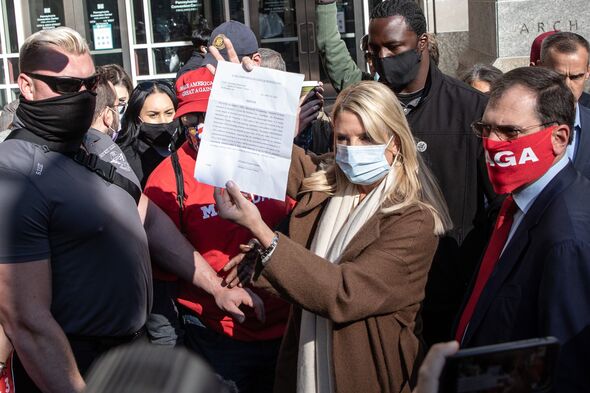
x=249 y=129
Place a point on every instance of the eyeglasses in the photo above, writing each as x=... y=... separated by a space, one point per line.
x=66 y=84
x=504 y=133
x=112 y=109
x=121 y=107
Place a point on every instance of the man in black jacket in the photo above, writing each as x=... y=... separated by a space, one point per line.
x=440 y=110
x=200 y=39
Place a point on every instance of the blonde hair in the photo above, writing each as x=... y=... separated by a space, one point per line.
x=382 y=116
x=66 y=39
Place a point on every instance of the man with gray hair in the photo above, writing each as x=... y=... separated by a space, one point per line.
x=567 y=53
x=271 y=59
x=75 y=275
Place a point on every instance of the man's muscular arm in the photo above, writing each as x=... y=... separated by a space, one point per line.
x=40 y=343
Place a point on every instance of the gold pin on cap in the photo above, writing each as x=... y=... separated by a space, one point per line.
x=218 y=42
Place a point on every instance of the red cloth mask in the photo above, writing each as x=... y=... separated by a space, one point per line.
x=514 y=163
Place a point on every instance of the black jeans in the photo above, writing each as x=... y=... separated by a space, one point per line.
x=249 y=364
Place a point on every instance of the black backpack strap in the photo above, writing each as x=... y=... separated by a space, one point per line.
x=179 y=187
x=60 y=147
x=107 y=171
x=104 y=169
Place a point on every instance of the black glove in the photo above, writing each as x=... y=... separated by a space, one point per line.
x=310 y=108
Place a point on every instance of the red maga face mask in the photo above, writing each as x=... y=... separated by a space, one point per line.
x=514 y=163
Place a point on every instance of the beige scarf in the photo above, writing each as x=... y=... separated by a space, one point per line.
x=341 y=220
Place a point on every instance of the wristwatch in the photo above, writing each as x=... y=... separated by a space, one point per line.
x=266 y=253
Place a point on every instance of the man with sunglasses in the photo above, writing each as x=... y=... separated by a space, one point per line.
x=71 y=244
x=534 y=277
x=75 y=276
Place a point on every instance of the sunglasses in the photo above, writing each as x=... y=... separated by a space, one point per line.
x=67 y=84
x=504 y=133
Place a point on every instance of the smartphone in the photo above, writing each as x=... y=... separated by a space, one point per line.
x=518 y=366
x=307 y=87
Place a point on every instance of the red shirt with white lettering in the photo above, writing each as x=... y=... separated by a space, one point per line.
x=217 y=240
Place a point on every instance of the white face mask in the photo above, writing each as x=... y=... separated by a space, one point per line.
x=363 y=165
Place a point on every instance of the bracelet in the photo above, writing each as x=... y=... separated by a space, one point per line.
x=266 y=253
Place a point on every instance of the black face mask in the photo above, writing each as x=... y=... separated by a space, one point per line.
x=65 y=118
x=159 y=135
x=398 y=71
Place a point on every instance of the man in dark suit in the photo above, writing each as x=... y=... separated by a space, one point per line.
x=568 y=54
x=534 y=277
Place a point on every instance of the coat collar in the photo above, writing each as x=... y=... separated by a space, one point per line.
x=433 y=82
x=583 y=153
x=518 y=244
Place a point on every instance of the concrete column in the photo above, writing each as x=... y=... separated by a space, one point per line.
x=501 y=31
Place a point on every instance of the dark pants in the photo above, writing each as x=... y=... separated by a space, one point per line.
x=86 y=351
x=249 y=364
x=163 y=323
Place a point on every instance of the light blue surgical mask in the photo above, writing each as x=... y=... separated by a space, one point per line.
x=363 y=165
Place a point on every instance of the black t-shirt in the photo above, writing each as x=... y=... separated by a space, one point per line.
x=90 y=231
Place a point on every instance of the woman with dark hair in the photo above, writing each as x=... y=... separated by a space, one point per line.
x=148 y=131
x=481 y=76
x=122 y=83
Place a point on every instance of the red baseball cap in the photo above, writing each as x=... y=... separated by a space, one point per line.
x=536 y=47
x=193 y=89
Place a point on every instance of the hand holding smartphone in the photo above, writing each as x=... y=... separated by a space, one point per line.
x=518 y=366
x=311 y=103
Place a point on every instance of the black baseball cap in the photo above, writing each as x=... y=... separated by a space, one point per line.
x=240 y=35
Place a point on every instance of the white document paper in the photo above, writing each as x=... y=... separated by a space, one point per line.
x=249 y=129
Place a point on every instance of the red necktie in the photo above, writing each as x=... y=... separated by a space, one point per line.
x=497 y=241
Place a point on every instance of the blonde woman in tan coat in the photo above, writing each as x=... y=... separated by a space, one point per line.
x=355 y=264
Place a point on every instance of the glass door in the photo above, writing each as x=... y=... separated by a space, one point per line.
x=102 y=26
x=351 y=26
x=9 y=46
x=160 y=34
x=46 y=14
x=289 y=26
x=100 y=22
x=283 y=25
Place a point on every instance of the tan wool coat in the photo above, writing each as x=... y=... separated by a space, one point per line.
x=373 y=296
